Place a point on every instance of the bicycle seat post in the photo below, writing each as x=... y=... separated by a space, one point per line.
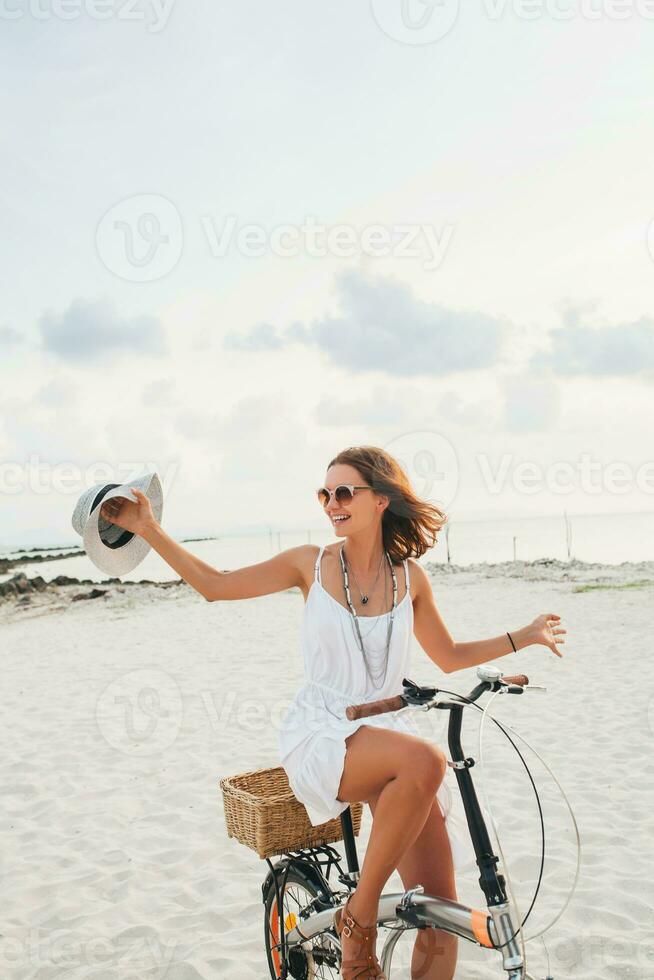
x=349 y=843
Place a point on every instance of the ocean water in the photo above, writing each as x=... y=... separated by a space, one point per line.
x=606 y=539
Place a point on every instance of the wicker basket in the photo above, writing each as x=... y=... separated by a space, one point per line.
x=262 y=812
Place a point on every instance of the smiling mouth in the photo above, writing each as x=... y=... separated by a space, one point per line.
x=340 y=520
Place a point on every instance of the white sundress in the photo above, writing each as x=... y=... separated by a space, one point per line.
x=311 y=738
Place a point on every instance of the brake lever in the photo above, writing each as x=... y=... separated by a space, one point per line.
x=415 y=694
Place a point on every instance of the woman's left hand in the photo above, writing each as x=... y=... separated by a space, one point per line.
x=547 y=630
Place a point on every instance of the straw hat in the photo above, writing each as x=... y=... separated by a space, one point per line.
x=110 y=547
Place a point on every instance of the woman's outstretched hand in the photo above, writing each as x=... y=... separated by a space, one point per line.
x=127 y=514
x=546 y=629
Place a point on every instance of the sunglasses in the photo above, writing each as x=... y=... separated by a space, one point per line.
x=343 y=493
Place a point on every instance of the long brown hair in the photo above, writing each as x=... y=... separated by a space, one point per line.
x=410 y=525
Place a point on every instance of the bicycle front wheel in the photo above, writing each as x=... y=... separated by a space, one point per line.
x=322 y=961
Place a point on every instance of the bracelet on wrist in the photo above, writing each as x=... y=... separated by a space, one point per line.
x=511 y=640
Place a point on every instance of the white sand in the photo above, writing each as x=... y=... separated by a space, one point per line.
x=121 y=714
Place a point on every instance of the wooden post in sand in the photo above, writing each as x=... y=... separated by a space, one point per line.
x=447 y=542
x=568 y=535
x=514 y=541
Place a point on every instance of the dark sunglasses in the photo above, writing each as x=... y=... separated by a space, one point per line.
x=343 y=493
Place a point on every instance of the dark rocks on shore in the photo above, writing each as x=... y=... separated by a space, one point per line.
x=93 y=594
x=20 y=587
x=20 y=584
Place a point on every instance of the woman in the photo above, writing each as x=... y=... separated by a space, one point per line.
x=381 y=527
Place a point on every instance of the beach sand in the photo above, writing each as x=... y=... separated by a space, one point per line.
x=121 y=714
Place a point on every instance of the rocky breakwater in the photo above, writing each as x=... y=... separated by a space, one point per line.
x=25 y=591
x=21 y=587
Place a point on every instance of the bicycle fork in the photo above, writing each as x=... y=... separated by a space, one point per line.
x=505 y=939
x=504 y=929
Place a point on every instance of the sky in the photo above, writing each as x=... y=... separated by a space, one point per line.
x=238 y=238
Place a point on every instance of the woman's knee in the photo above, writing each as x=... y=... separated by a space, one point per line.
x=427 y=767
x=374 y=757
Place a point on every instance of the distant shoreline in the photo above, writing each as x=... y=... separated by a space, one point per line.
x=26 y=555
x=582 y=576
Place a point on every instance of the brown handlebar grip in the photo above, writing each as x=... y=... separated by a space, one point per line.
x=521 y=679
x=354 y=711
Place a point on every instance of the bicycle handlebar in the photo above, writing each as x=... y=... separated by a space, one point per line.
x=520 y=679
x=369 y=708
x=354 y=711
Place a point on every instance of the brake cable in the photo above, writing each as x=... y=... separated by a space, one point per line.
x=503 y=728
x=574 y=823
x=520 y=931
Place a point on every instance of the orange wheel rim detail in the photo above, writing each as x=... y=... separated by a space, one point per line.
x=290 y=922
x=274 y=935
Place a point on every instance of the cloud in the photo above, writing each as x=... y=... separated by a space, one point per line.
x=382 y=326
x=57 y=394
x=382 y=407
x=159 y=394
x=9 y=338
x=92 y=331
x=475 y=414
x=530 y=404
x=259 y=439
x=197 y=425
x=259 y=338
x=600 y=351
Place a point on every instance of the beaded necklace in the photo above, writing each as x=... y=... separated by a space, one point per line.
x=389 y=629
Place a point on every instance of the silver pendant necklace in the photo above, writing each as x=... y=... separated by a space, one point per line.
x=364 y=598
x=374 y=619
x=389 y=629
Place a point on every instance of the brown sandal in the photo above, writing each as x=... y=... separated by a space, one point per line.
x=364 y=964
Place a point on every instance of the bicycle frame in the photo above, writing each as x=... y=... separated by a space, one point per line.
x=494 y=928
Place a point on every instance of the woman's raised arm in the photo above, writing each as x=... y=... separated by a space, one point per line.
x=281 y=572
x=435 y=639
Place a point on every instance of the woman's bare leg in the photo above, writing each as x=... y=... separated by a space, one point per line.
x=428 y=862
x=402 y=772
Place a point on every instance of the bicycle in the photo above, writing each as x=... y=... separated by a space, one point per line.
x=299 y=901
